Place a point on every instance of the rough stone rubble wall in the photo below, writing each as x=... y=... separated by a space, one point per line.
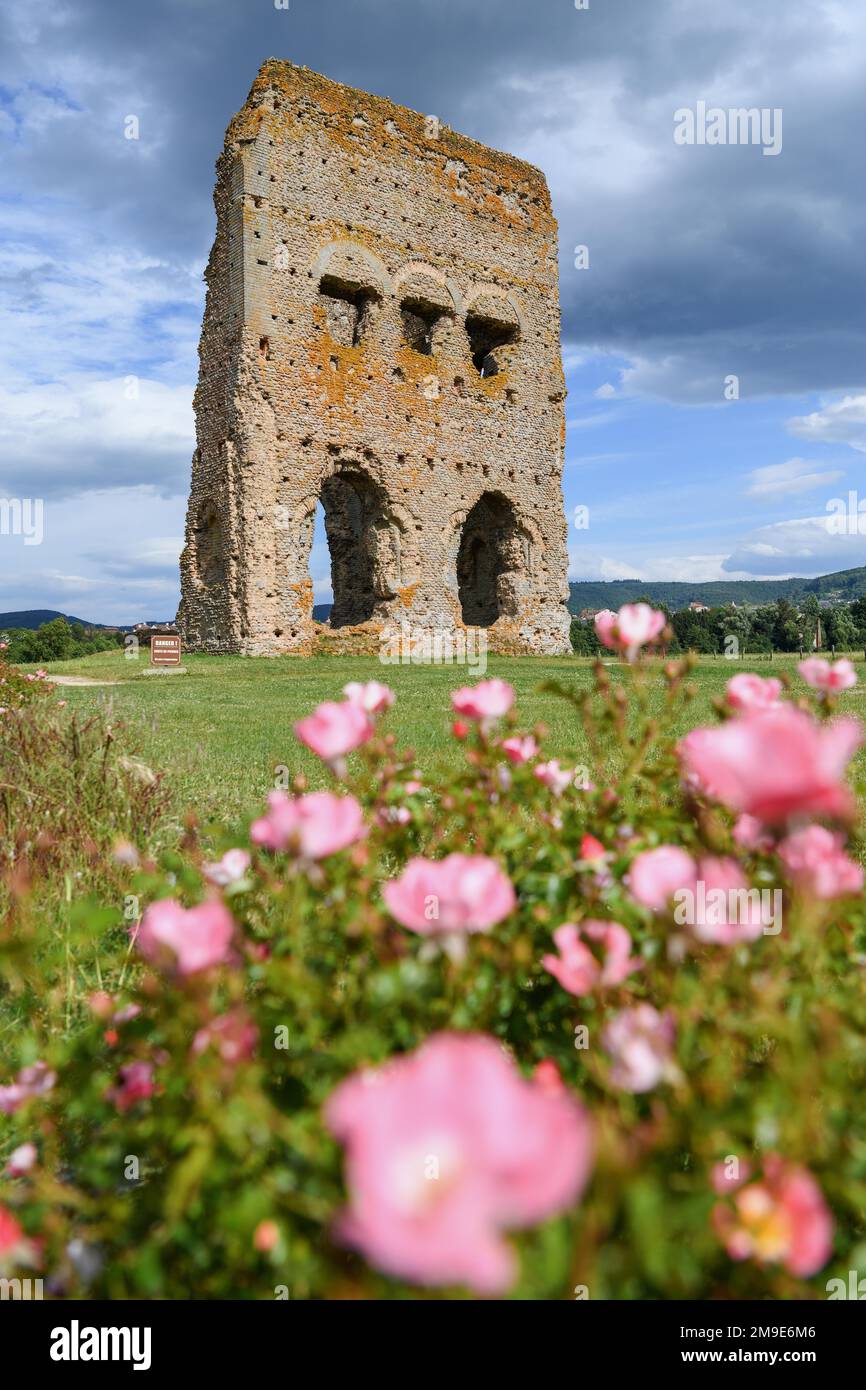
x=362 y=255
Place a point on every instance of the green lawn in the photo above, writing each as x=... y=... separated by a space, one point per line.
x=222 y=729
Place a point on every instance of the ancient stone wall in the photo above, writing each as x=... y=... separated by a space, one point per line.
x=381 y=334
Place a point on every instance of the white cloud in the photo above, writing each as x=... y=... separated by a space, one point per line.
x=788 y=479
x=805 y=545
x=605 y=392
x=67 y=437
x=842 y=422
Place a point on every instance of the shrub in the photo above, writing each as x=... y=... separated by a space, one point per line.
x=504 y=1030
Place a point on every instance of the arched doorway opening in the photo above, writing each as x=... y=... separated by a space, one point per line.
x=492 y=546
x=363 y=545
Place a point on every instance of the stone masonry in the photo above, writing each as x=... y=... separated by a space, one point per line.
x=381 y=334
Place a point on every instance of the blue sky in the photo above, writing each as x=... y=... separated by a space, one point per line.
x=705 y=261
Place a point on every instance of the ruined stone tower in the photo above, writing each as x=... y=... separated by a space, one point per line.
x=381 y=334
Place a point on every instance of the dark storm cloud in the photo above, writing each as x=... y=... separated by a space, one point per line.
x=704 y=261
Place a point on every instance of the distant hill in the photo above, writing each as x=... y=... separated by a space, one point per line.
x=843 y=586
x=321 y=612
x=33 y=618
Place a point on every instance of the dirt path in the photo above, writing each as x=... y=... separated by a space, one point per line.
x=80 y=680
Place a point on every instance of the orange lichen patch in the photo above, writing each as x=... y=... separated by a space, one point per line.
x=406 y=596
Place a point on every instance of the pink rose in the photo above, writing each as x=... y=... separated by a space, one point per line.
x=774 y=765
x=333 y=730
x=445 y=1149
x=592 y=850
x=711 y=895
x=520 y=750
x=656 y=874
x=32 y=1081
x=463 y=893
x=780 y=1218
x=234 y=1035
x=822 y=676
x=15 y=1248
x=312 y=827
x=230 y=869
x=749 y=833
x=726 y=910
x=577 y=969
x=21 y=1160
x=636 y=625
x=135 y=1084
x=640 y=1044
x=372 y=697
x=818 y=865
x=747 y=693
x=557 y=779
x=196 y=937
x=485 y=701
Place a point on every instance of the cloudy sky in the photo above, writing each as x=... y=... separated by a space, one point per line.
x=706 y=262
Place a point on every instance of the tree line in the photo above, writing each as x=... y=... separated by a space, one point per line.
x=56 y=640
x=775 y=627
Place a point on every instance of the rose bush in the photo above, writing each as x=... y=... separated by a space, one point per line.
x=509 y=1030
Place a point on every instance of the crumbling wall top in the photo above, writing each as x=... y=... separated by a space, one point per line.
x=367 y=114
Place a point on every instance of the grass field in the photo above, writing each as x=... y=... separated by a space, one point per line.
x=222 y=729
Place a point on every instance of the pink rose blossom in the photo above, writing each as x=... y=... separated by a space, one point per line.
x=711 y=895
x=520 y=750
x=640 y=1044
x=747 y=693
x=557 y=779
x=656 y=874
x=21 y=1160
x=726 y=911
x=821 y=675
x=32 y=1081
x=578 y=970
x=230 y=869
x=780 y=1218
x=749 y=833
x=196 y=937
x=463 y=893
x=636 y=625
x=333 y=730
x=445 y=1149
x=135 y=1084
x=15 y=1248
x=311 y=827
x=592 y=849
x=724 y=1181
x=818 y=864
x=393 y=815
x=485 y=701
x=372 y=697
x=234 y=1036
x=775 y=765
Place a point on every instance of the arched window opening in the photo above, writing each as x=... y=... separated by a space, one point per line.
x=487 y=337
x=420 y=322
x=349 y=308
